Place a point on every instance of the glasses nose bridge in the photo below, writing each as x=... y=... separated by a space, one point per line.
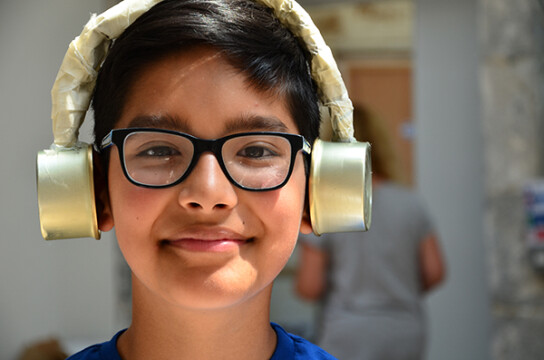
x=203 y=145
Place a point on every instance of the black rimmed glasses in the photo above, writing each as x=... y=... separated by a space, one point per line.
x=158 y=158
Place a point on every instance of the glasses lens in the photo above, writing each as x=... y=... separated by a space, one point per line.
x=155 y=158
x=257 y=161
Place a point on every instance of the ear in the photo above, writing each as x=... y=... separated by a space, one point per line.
x=306 y=224
x=102 y=199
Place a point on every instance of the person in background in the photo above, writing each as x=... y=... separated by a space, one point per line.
x=371 y=284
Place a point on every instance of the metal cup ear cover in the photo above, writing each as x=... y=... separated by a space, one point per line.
x=66 y=198
x=340 y=187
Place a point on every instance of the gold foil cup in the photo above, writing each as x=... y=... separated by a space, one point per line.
x=66 y=198
x=340 y=187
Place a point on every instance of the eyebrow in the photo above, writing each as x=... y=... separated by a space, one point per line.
x=247 y=122
x=159 y=121
x=256 y=122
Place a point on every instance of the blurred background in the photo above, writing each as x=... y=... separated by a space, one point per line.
x=461 y=87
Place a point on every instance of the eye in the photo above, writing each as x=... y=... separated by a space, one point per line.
x=159 y=151
x=255 y=152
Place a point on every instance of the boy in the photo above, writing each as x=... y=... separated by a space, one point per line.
x=205 y=226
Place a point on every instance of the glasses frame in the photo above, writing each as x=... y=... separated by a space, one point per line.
x=117 y=137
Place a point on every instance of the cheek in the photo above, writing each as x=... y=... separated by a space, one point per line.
x=129 y=203
x=283 y=224
x=282 y=211
x=129 y=213
x=132 y=208
x=124 y=196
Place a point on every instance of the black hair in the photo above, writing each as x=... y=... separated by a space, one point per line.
x=246 y=32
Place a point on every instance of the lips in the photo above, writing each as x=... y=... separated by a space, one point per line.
x=207 y=240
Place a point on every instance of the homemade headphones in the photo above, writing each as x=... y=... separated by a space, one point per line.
x=340 y=192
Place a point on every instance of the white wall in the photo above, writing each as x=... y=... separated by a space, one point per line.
x=450 y=171
x=58 y=288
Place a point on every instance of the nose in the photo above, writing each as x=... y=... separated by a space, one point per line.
x=207 y=189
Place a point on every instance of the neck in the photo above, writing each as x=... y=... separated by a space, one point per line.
x=163 y=330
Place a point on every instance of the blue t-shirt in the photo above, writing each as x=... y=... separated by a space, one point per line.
x=289 y=347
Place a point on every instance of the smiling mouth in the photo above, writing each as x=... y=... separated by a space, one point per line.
x=199 y=245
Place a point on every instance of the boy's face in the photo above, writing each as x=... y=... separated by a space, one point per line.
x=204 y=243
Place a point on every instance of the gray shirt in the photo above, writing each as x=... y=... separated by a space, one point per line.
x=373 y=298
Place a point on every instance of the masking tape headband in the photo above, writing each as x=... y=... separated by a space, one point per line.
x=73 y=87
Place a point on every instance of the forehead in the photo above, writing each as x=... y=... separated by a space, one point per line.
x=200 y=92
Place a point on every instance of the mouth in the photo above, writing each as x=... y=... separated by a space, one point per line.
x=198 y=245
x=208 y=241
